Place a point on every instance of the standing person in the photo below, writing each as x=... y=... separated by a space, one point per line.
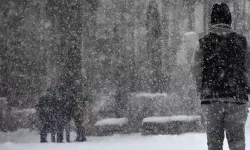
x=80 y=116
x=52 y=116
x=220 y=69
x=61 y=117
x=44 y=113
x=66 y=104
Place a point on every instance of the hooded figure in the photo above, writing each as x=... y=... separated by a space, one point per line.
x=220 y=67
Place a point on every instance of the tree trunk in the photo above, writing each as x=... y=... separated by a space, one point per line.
x=88 y=43
x=244 y=29
x=207 y=14
x=4 y=65
x=153 y=26
x=166 y=49
x=191 y=14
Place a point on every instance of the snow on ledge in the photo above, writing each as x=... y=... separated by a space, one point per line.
x=169 y=119
x=151 y=95
x=112 y=121
x=30 y=110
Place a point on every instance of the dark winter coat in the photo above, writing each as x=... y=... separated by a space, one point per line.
x=220 y=66
x=45 y=109
x=65 y=104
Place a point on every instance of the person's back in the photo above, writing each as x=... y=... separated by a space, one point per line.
x=43 y=108
x=224 y=71
x=43 y=112
x=220 y=68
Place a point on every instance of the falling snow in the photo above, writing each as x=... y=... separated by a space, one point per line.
x=108 y=67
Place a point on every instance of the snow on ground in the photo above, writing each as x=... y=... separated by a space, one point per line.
x=25 y=140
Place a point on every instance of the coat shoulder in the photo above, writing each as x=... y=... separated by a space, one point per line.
x=240 y=36
x=206 y=37
x=241 y=40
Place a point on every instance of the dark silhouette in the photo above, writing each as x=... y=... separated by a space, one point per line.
x=55 y=110
x=220 y=67
x=46 y=113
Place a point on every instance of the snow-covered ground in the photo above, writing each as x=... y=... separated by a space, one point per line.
x=25 y=140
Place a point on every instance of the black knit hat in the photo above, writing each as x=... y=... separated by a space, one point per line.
x=221 y=14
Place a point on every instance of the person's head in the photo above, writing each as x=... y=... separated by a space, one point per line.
x=221 y=14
